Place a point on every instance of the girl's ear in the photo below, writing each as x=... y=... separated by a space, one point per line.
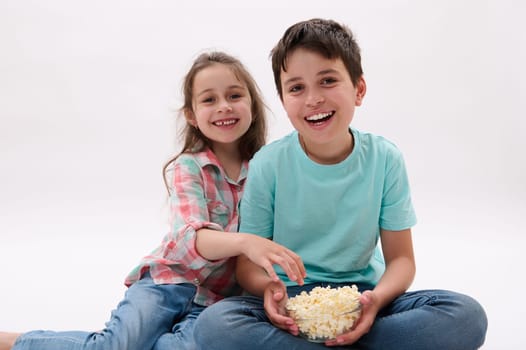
x=190 y=117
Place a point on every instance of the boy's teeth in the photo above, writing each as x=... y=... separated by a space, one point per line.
x=318 y=116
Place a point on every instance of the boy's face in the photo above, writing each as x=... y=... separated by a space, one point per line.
x=320 y=98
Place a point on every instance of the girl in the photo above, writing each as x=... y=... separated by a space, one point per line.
x=194 y=266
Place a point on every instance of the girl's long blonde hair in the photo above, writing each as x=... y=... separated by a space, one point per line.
x=194 y=140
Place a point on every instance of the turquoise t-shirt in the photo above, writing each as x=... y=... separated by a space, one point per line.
x=330 y=215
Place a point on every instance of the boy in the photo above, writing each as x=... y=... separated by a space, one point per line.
x=329 y=192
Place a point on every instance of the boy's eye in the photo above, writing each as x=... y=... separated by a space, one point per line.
x=328 y=81
x=295 y=88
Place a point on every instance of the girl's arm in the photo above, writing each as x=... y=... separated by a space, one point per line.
x=397 y=248
x=215 y=245
x=194 y=231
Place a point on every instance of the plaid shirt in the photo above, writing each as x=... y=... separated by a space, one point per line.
x=201 y=196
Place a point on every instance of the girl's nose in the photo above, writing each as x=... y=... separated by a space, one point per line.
x=224 y=106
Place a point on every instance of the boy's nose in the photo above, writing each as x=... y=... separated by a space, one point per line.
x=314 y=100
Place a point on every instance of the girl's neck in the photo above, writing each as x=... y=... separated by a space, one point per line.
x=229 y=158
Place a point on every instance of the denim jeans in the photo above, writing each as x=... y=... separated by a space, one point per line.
x=429 y=319
x=151 y=316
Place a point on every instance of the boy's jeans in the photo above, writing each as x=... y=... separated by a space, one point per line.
x=143 y=320
x=432 y=319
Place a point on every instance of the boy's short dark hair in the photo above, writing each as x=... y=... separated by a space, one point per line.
x=325 y=37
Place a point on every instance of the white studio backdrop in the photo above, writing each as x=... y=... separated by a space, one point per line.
x=88 y=98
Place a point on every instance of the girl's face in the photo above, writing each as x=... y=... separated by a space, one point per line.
x=221 y=105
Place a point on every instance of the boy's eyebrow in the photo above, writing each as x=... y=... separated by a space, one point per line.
x=322 y=72
x=291 y=80
x=205 y=91
x=327 y=71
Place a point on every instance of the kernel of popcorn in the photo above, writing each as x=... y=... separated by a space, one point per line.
x=324 y=313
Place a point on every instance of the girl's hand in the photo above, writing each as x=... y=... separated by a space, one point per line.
x=265 y=253
x=370 y=308
x=275 y=299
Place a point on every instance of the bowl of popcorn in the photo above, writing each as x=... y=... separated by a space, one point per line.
x=324 y=313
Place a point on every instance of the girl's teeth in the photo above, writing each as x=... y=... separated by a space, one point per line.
x=224 y=122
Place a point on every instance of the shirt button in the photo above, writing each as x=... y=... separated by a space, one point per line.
x=196 y=281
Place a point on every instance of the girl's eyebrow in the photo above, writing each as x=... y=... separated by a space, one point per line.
x=205 y=91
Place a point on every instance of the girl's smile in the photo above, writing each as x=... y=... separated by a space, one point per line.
x=221 y=107
x=226 y=122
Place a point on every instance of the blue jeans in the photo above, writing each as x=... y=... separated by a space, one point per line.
x=429 y=319
x=151 y=316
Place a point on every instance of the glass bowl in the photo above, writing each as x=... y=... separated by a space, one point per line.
x=326 y=326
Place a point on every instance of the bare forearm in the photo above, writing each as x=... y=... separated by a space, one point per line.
x=216 y=245
x=262 y=252
x=400 y=268
x=397 y=278
x=251 y=276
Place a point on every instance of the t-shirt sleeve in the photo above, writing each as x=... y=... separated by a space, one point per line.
x=256 y=214
x=396 y=212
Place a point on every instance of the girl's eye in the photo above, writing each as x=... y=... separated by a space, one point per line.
x=235 y=96
x=208 y=100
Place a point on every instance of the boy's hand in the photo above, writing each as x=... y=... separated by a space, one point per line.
x=369 y=310
x=275 y=299
x=265 y=253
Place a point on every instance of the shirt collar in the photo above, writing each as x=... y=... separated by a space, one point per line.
x=207 y=157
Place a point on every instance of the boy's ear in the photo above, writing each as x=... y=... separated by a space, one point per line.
x=361 y=89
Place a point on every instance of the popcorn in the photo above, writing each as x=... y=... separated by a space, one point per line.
x=325 y=313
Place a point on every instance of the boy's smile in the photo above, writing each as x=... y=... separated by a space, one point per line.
x=319 y=118
x=320 y=99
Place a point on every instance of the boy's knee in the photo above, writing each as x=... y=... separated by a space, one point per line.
x=473 y=316
x=208 y=322
x=479 y=319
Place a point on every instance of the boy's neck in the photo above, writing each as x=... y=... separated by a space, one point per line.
x=329 y=154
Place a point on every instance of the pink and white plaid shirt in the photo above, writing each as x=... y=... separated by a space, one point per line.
x=201 y=196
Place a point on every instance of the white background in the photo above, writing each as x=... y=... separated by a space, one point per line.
x=88 y=93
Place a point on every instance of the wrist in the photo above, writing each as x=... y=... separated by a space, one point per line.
x=243 y=241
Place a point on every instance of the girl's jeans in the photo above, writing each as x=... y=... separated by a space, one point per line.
x=430 y=319
x=151 y=316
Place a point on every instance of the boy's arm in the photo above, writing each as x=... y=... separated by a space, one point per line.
x=274 y=293
x=397 y=247
x=251 y=277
